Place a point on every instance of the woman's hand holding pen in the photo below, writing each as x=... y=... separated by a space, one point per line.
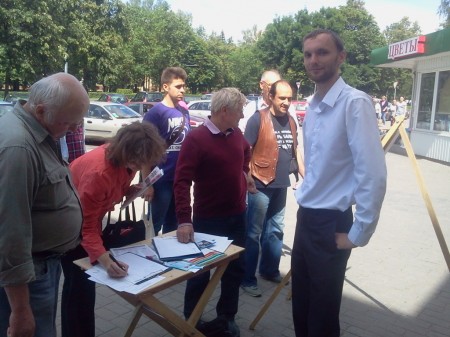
x=113 y=267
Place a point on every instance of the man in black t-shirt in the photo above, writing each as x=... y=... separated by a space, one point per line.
x=272 y=134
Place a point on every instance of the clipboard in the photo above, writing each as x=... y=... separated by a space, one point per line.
x=169 y=249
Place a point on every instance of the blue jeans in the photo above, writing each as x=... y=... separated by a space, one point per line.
x=265 y=225
x=43 y=298
x=232 y=227
x=163 y=207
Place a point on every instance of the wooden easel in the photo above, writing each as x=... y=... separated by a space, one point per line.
x=396 y=130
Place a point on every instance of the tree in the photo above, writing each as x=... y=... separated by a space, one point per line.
x=402 y=30
x=30 y=51
x=444 y=12
x=245 y=69
x=280 y=45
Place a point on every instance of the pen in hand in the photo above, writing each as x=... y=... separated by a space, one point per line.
x=117 y=262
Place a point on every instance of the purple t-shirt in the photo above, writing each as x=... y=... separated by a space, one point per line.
x=168 y=121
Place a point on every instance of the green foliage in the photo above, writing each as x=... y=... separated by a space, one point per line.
x=125 y=91
x=444 y=12
x=128 y=44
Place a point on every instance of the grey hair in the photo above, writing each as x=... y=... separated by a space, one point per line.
x=230 y=98
x=49 y=92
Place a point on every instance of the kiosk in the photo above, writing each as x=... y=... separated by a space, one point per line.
x=428 y=56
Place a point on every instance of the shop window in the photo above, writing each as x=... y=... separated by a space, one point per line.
x=442 y=116
x=425 y=101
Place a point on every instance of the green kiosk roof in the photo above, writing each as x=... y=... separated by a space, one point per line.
x=435 y=43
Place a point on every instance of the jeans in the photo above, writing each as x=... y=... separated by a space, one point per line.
x=383 y=117
x=318 y=271
x=163 y=207
x=265 y=225
x=77 y=298
x=234 y=228
x=43 y=298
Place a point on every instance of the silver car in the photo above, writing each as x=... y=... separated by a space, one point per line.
x=200 y=108
x=104 y=119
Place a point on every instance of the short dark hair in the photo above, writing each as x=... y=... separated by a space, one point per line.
x=273 y=88
x=138 y=143
x=334 y=36
x=171 y=73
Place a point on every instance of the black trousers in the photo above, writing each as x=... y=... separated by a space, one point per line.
x=234 y=228
x=318 y=271
x=77 y=298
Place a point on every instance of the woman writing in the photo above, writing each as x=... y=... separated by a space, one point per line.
x=102 y=178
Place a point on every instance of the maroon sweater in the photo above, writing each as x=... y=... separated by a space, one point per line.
x=216 y=164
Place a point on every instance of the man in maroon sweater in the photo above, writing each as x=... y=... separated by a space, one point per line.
x=215 y=156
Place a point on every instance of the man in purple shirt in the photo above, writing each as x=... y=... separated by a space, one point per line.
x=173 y=124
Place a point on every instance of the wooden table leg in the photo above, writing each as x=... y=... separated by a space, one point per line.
x=203 y=301
x=272 y=297
x=134 y=320
x=180 y=324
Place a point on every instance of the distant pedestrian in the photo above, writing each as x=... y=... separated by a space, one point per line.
x=384 y=104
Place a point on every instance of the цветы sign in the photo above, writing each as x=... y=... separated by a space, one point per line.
x=413 y=46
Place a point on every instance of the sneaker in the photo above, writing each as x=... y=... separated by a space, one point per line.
x=274 y=279
x=252 y=290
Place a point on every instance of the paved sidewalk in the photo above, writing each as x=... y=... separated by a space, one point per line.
x=398 y=285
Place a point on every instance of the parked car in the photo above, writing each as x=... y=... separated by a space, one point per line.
x=140 y=107
x=196 y=121
x=300 y=110
x=111 y=97
x=145 y=96
x=6 y=106
x=14 y=97
x=252 y=97
x=104 y=119
x=206 y=96
x=200 y=108
x=190 y=98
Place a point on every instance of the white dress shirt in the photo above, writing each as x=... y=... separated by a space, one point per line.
x=344 y=159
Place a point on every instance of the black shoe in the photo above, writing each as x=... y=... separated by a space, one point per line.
x=214 y=328
x=232 y=329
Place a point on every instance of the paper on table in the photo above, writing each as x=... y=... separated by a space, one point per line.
x=221 y=243
x=169 y=249
x=148 y=181
x=141 y=274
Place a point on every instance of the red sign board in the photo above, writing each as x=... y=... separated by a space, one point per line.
x=413 y=46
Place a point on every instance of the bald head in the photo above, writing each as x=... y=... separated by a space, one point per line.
x=58 y=102
x=267 y=79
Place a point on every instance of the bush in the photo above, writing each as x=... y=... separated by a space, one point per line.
x=125 y=91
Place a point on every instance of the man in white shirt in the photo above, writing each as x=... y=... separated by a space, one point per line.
x=344 y=166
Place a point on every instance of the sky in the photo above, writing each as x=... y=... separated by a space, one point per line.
x=234 y=16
